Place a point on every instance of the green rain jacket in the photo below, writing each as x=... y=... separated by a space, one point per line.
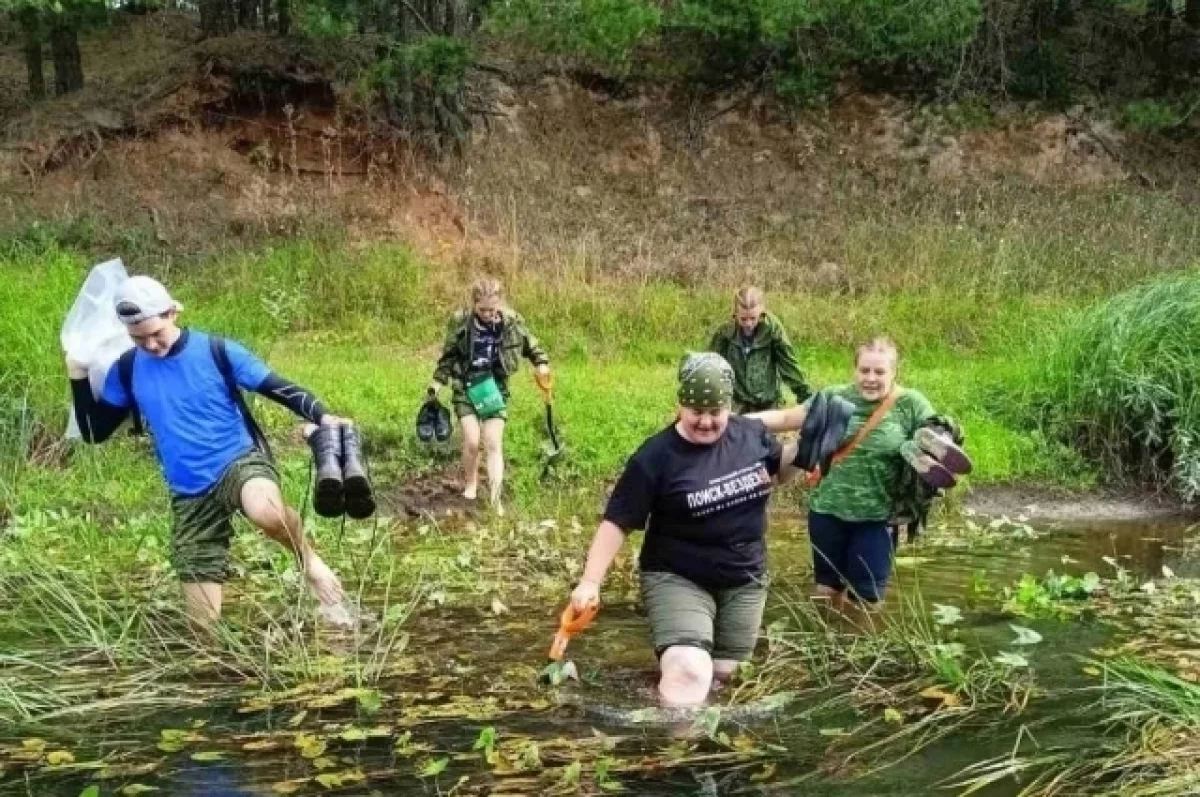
x=770 y=361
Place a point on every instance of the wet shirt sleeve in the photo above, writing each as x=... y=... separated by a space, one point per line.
x=249 y=371
x=633 y=497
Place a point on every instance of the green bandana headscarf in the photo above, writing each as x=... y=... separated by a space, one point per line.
x=705 y=381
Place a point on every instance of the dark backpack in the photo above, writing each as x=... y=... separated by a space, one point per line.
x=221 y=359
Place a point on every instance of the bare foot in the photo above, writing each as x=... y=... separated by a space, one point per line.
x=324 y=583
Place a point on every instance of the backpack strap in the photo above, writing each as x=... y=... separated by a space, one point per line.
x=125 y=374
x=221 y=358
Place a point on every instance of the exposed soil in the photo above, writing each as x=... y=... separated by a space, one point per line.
x=1045 y=505
x=437 y=494
x=199 y=146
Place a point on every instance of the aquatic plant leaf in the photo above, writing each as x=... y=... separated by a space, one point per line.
x=335 y=780
x=369 y=700
x=947 y=699
x=1025 y=636
x=602 y=775
x=944 y=614
x=289 y=786
x=893 y=715
x=353 y=735
x=90 y=791
x=58 y=758
x=707 y=721
x=33 y=745
x=1015 y=660
x=765 y=774
x=556 y=673
x=208 y=755
x=324 y=762
x=571 y=774
x=486 y=740
x=134 y=789
x=260 y=746
x=433 y=768
x=310 y=746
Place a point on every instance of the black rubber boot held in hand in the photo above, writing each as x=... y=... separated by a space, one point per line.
x=326 y=445
x=360 y=501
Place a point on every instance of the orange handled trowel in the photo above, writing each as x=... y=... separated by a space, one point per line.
x=572 y=622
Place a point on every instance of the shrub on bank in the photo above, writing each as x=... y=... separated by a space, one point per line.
x=1122 y=385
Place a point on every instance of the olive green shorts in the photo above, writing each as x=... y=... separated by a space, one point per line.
x=463 y=406
x=202 y=527
x=724 y=622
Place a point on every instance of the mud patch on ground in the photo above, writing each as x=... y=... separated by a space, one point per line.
x=1037 y=504
x=437 y=494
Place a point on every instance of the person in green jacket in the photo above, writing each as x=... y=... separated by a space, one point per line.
x=755 y=343
x=483 y=348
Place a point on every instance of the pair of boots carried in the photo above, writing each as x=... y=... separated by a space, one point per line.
x=343 y=486
x=433 y=421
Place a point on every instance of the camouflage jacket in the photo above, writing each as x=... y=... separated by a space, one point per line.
x=515 y=342
x=771 y=361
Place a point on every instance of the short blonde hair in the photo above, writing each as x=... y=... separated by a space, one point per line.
x=748 y=298
x=486 y=288
x=881 y=344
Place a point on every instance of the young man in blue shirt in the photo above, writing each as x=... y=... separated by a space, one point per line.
x=212 y=465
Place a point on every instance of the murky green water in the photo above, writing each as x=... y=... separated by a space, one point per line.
x=470 y=670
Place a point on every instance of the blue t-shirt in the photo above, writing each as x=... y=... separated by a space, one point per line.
x=197 y=428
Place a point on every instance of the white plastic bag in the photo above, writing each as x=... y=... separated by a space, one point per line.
x=92 y=335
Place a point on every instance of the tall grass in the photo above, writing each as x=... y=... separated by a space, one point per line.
x=1120 y=384
x=1153 y=719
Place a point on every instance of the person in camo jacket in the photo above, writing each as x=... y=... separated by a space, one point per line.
x=756 y=345
x=483 y=348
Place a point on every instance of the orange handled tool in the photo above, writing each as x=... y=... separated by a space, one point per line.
x=571 y=623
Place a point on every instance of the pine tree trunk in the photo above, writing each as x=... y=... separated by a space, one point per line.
x=1064 y=14
x=264 y=8
x=246 y=13
x=285 y=17
x=217 y=17
x=1161 y=13
x=1191 y=14
x=33 y=66
x=68 y=64
x=30 y=20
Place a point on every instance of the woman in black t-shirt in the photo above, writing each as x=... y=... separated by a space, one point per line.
x=699 y=488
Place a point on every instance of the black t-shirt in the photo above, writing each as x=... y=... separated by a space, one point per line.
x=485 y=349
x=706 y=505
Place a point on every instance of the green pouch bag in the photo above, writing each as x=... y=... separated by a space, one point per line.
x=486 y=398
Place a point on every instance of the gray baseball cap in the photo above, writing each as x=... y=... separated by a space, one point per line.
x=139 y=298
